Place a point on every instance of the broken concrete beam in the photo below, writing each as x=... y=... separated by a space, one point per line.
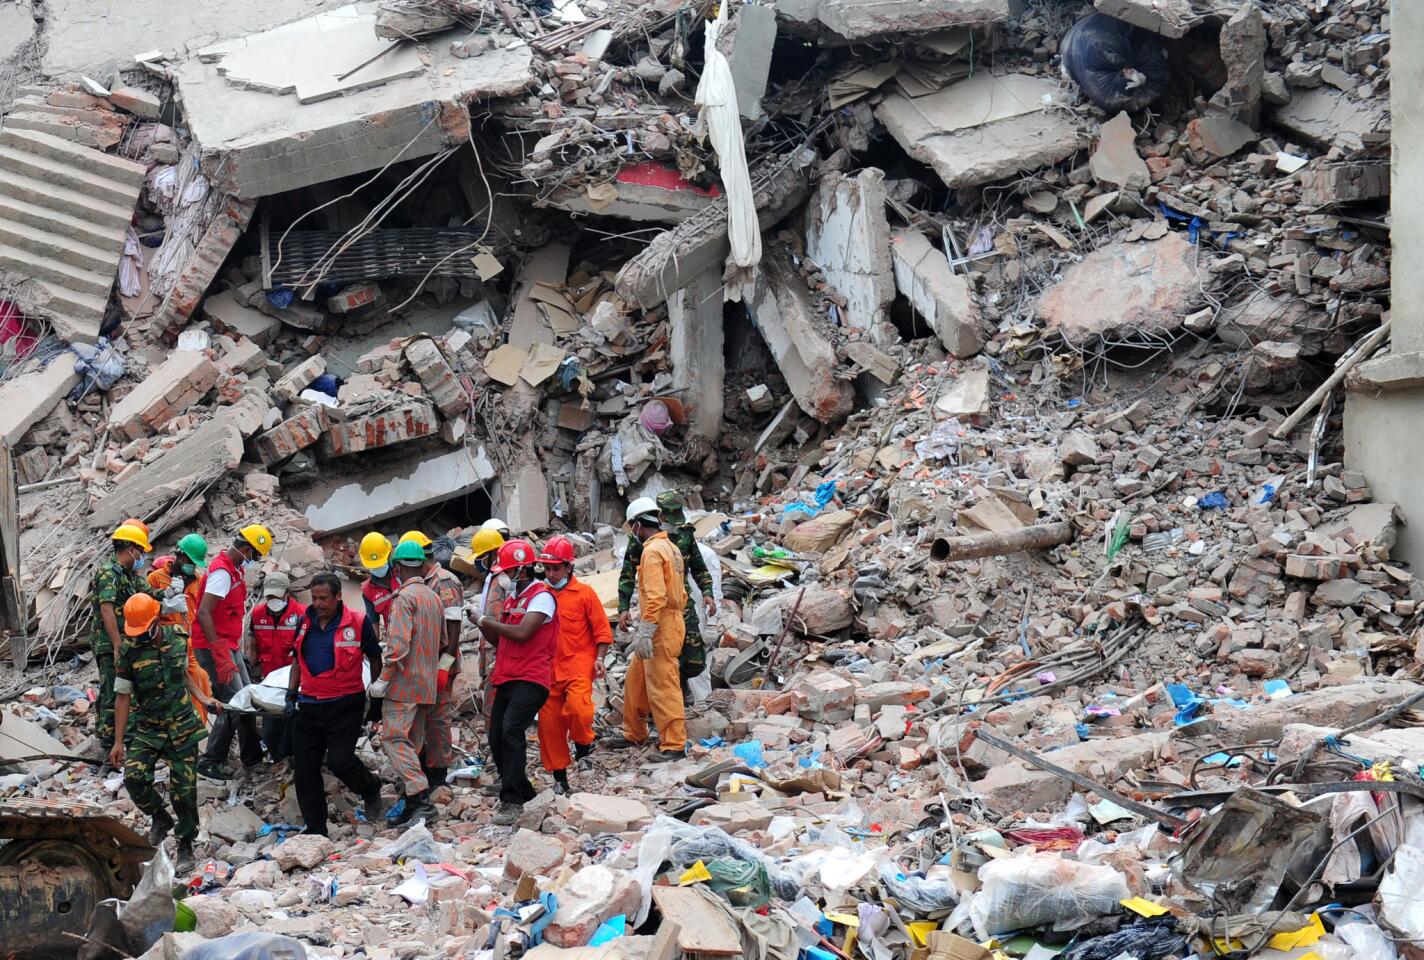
x=984 y=128
x=199 y=459
x=1321 y=185
x=1170 y=18
x=860 y=20
x=229 y=316
x=646 y=193
x=1125 y=287
x=848 y=237
x=438 y=379
x=297 y=432
x=748 y=43
x=332 y=506
x=1242 y=45
x=27 y=399
x=526 y=499
x=1340 y=706
x=676 y=257
x=255 y=144
x=373 y=431
x=221 y=235
x=788 y=322
x=1327 y=117
x=181 y=381
x=938 y=294
x=138 y=102
x=696 y=351
x=297 y=379
x=1018 y=786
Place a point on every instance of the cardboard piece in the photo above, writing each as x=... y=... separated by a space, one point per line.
x=505 y=363
x=543 y=362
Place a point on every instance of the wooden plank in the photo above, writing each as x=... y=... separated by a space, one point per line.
x=703 y=926
x=665 y=941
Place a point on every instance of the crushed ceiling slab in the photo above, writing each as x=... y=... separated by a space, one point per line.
x=1328 y=117
x=333 y=506
x=861 y=19
x=255 y=144
x=1142 y=288
x=984 y=128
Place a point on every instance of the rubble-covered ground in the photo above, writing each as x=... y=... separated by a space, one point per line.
x=981 y=336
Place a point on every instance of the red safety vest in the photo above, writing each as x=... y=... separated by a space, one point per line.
x=380 y=596
x=532 y=660
x=276 y=637
x=227 y=615
x=344 y=678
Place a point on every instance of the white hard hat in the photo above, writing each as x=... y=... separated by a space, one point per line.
x=495 y=524
x=642 y=507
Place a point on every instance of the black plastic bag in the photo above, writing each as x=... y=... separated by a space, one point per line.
x=1145 y=941
x=1119 y=66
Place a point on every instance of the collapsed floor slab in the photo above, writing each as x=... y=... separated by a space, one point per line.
x=939 y=295
x=333 y=506
x=861 y=19
x=28 y=398
x=848 y=237
x=1140 y=288
x=1328 y=117
x=255 y=144
x=983 y=128
x=784 y=314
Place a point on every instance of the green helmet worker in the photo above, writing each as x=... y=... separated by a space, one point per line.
x=195 y=548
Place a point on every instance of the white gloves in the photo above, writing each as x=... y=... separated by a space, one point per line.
x=178 y=604
x=378 y=689
x=642 y=645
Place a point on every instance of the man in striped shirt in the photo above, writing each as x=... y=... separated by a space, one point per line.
x=415 y=632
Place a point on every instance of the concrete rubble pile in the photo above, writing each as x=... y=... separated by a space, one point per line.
x=992 y=346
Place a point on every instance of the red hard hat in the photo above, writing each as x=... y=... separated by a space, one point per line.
x=557 y=550
x=515 y=553
x=163 y=562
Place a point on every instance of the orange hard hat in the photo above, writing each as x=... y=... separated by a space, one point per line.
x=140 y=610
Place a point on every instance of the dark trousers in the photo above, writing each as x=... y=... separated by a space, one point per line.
x=249 y=744
x=328 y=730
x=277 y=735
x=516 y=705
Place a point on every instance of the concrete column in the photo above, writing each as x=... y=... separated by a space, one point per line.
x=698 y=365
x=1382 y=416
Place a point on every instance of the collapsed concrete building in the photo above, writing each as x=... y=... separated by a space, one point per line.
x=1001 y=379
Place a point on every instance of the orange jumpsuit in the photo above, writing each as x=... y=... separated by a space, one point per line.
x=568 y=713
x=653 y=685
x=161 y=580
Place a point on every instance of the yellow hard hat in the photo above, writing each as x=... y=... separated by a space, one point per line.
x=259 y=536
x=375 y=551
x=417 y=536
x=129 y=533
x=485 y=540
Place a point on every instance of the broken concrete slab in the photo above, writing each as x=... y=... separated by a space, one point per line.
x=862 y=19
x=1170 y=18
x=968 y=396
x=526 y=499
x=1327 y=117
x=938 y=294
x=436 y=376
x=334 y=505
x=783 y=312
x=984 y=128
x=409 y=421
x=1218 y=135
x=675 y=257
x=255 y=144
x=208 y=453
x=647 y=193
x=228 y=315
x=1129 y=287
x=848 y=237
x=1115 y=159
x=1340 y=706
x=181 y=381
x=1242 y=45
x=748 y=43
x=299 y=431
x=699 y=364
x=28 y=398
x=1017 y=786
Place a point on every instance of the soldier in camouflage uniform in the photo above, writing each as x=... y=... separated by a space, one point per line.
x=693 y=659
x=155 y=721
x=116 y=580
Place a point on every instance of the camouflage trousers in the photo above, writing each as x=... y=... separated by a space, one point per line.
x=139 y=769
x=104 y=718
x=693 y=659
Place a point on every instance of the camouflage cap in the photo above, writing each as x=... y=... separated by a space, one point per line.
x=671 y=505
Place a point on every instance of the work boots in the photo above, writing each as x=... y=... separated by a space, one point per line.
x=184 y=863
x=160 y=828
x=583 y=755
x=372 y=806
x=417 y=807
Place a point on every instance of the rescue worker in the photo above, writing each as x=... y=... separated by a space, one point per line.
x=484 y=545
x=497 y=525
x=583 y=640
x=439 y=747
x=651 y=684
x=375 y=553
x=271 y=645
x=217 y=639
x=693 y=659
x=192 y=560
x=117 y=578
x=326 y=701
x=415 y=632
x=525 y=635
x=155 y=720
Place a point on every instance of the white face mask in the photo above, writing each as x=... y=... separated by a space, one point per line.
x=559 y=584
x=381 y=571
x=275 y=604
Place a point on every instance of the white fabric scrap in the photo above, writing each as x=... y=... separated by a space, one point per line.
x=717 y=96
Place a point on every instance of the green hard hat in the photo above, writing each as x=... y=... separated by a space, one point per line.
x=195 y=548
x=409 y=553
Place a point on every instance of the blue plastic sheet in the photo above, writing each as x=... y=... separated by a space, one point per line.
x=281 y=299
x=824 y=493
x=613 y=928
x=1188 y=704
x=751 y=754
x=1216 y=500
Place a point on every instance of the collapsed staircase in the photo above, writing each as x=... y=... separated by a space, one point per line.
x=64 y=211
